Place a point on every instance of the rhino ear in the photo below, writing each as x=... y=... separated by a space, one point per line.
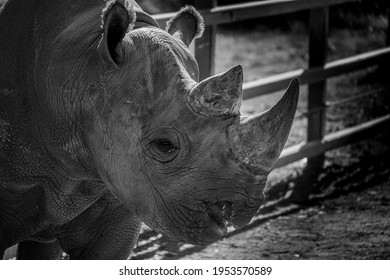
x=118 y=18
x=187 y=25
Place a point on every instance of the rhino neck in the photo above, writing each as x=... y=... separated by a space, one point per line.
x=44 y=113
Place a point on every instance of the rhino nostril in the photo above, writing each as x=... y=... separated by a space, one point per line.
x=224 y=204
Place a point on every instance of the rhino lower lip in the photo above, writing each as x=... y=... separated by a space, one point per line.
x=222 y=213
x=218 y=220
x=226 y=213
x=217 y=227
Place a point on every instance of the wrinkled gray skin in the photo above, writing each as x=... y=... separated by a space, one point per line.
x=104 y=125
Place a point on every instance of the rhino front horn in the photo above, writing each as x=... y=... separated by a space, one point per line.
x=258 y=141
x=219 y=95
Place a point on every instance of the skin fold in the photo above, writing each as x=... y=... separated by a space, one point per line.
x=105 y=125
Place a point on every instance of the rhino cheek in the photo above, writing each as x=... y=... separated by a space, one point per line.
x=113 y=144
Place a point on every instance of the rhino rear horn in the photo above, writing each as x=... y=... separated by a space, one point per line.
x=118 y=18
x=218 y=96
x=187 y=25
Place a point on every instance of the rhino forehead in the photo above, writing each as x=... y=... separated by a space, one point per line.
x=162 y=50
x=156 y=74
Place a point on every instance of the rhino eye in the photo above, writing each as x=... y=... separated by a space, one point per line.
x=164 y=146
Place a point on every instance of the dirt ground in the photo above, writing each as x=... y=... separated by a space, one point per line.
x=350 y=219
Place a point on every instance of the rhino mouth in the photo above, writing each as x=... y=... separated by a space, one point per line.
x=222 y=213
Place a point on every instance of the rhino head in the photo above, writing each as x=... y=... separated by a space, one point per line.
x=172 y=149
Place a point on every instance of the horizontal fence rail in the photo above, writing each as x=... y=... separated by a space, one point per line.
x=333 y=140
x=331 y=69
x=255 y=9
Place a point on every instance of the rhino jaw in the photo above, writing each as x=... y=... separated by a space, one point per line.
x=258 y=141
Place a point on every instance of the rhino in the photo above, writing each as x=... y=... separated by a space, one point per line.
x=104 y=125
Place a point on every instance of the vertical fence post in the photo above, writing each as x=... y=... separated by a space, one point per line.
x=388 y=27
x=318 y=35
x=317 y=58
x=383 y=69
x=205 y=46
